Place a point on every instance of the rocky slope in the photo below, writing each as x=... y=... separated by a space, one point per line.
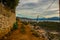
x=24 y=32
x=7 y=19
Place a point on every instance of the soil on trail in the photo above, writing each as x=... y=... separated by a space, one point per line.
x=17 y=35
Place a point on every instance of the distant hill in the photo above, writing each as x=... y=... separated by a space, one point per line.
x=24 y=18
x=52 y=18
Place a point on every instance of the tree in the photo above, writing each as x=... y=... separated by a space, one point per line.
x=10 y=3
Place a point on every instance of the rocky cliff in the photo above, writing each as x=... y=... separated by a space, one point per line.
x=7 y=19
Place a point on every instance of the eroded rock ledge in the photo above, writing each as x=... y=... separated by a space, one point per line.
x=7 y=19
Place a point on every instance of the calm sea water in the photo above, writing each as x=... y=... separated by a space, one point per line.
x=49 y=20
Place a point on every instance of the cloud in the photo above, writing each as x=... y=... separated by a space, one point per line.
x=36 y=7
x=52 y=15
x=28 y=1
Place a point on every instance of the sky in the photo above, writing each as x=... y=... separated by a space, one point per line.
x=41 y=8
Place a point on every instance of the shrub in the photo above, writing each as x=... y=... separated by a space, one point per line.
x=50 y=36
x=22 y=29
x=25 y=23
x=15 y=26
x=10 y=3
x=35 y=34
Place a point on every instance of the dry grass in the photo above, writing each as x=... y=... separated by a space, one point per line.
x=17 y=35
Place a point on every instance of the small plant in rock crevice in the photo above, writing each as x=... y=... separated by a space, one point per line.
x=15 y=26
x=22 y=29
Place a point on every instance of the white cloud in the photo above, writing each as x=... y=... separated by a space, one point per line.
x=29 y=1
x=52 y=15
x=32 y=8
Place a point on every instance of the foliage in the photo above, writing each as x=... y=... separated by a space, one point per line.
x=35 y=33
x=22 y=29
x=10 y=3
x=48 y=25
x=25 y=23
x=15 y=26
x=50 y=36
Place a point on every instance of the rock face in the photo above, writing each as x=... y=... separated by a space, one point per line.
x=7 y=19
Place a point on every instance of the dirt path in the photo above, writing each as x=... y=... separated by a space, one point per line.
x=17 y=35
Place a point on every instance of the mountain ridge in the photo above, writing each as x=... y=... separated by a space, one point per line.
x=52 y=18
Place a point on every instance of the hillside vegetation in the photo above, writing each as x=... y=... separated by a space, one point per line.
x=47 y=25
x=21 y=31
x=7 y=15
x=10 y=3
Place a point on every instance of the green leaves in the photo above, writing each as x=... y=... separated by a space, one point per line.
x=15 y=26
x=11 y=3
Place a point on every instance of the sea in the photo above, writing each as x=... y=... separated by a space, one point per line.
x=48 y=20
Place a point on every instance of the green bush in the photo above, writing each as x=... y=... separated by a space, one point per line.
x=50 y=25
x=10 y=3
x=15 y=26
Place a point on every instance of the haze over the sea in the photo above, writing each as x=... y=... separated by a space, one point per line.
x=33 y=8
